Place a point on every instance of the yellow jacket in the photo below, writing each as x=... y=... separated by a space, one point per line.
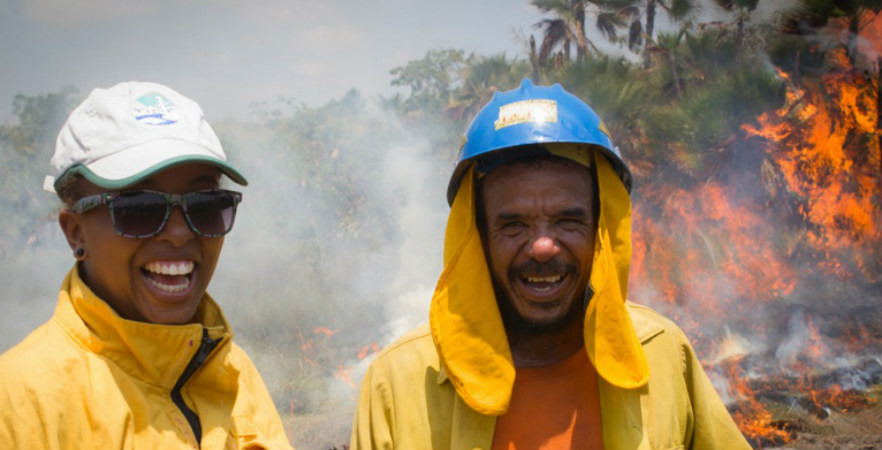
x=88 y=379
x=407 y=401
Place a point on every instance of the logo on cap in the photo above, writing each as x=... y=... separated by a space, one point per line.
x=535 y=111
x=155 y=109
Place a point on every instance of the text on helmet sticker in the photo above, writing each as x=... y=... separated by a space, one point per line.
x=535 y=111
x=155 y=109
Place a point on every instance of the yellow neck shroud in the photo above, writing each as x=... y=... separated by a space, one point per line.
x=466 y=324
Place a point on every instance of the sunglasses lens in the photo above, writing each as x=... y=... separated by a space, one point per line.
x=211 y=212
x=138 y=214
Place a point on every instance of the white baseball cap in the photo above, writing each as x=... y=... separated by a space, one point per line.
x=131 y=131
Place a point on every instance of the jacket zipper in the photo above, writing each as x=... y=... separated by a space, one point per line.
x=205 y=348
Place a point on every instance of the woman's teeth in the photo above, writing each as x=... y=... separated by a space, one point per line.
x=169 y=276
x=170 y=267
x=170 y=288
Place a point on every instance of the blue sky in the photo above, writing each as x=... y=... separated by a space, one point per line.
x=227 y=54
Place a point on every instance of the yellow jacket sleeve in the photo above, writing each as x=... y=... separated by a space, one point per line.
x=38 y=407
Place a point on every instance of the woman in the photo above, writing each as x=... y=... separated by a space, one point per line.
x=137 y=354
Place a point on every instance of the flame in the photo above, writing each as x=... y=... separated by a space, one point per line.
x=869 y=38
x=345 y=375
x=325 y=331
x=843 y=400
x=721 y=252
x=754 y=420
x=825 y=145
x=366 y=350
x=815 y=347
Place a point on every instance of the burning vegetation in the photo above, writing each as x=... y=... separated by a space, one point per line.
x=785 y=260
x=757 y=210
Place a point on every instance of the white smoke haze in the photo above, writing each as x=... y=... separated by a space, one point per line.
x=31 y=282
x=361 y=267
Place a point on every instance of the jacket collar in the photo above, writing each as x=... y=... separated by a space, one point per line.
x=155 y=354
x=646 y=330
x=620 y=408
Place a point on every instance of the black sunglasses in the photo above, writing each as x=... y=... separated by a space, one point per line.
x=142 y=214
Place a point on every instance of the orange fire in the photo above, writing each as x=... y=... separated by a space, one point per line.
x=825 y=145
x=723 y=254
x=345 y=374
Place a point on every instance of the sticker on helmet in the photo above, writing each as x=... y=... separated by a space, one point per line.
x=535 y=111
x=155 y=109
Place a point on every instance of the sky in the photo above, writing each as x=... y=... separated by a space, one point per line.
x=229 y=54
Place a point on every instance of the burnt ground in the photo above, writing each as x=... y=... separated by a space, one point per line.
x=857 y=429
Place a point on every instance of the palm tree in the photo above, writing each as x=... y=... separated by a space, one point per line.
x=668 y=46
x=677 y=11
x=568 y=26
x=555 y=34
x=742 y=9
x=615 y=15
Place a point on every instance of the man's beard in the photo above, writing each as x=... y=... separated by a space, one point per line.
x=512 y=318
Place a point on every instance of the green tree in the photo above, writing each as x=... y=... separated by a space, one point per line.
x=482 y=76
x=431 y=79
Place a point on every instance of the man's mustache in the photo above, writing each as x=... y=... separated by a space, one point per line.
x=540 y=269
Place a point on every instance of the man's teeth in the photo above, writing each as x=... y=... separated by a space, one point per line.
x=170 y=268
x=551 y=279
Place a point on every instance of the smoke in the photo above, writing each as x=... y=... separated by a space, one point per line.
x=30 y=284
x=334 y=253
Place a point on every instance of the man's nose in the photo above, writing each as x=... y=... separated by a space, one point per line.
x=543 y=248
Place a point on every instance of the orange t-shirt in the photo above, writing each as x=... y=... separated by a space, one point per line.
x=552 y=407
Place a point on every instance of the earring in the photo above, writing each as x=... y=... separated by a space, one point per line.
x=80 y=254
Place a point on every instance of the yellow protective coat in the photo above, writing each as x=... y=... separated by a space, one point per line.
x=443 y=385
x=408 y=402
x=88 y=379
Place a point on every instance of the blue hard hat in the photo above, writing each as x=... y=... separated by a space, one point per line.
x=532 y=115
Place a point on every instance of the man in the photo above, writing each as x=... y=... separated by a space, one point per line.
x=530 y=342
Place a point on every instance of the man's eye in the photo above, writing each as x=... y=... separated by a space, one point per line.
x=570 y=224
x=512 y=227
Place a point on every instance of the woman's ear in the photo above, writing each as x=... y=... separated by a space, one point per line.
x=72 y=228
